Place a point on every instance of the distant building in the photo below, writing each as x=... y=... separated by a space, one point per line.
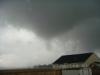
x=43 y=67
x=77 y=64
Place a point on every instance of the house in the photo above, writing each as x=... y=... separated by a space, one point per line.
x=77 y=64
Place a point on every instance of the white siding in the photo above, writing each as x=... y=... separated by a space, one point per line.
x=67 y=66
x=93 y=58
x=84 y=71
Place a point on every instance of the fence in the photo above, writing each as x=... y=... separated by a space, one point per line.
x=31 y=72
x=84 y=71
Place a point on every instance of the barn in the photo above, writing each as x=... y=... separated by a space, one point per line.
x=76 y=64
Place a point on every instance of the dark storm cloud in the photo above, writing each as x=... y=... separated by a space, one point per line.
x=88 y=33
x=49 y=18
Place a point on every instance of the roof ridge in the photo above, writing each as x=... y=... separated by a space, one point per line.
x=79 y=53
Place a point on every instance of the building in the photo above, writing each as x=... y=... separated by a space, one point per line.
x=77 y=64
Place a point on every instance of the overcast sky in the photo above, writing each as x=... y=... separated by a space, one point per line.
x=34 y=32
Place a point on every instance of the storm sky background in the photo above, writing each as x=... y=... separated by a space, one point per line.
x=34 y=32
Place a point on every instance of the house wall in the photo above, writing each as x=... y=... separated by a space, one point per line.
x=70 y=66
x=83 y=71
x=93 y=58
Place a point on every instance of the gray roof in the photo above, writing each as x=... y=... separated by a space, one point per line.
x=75 y=58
